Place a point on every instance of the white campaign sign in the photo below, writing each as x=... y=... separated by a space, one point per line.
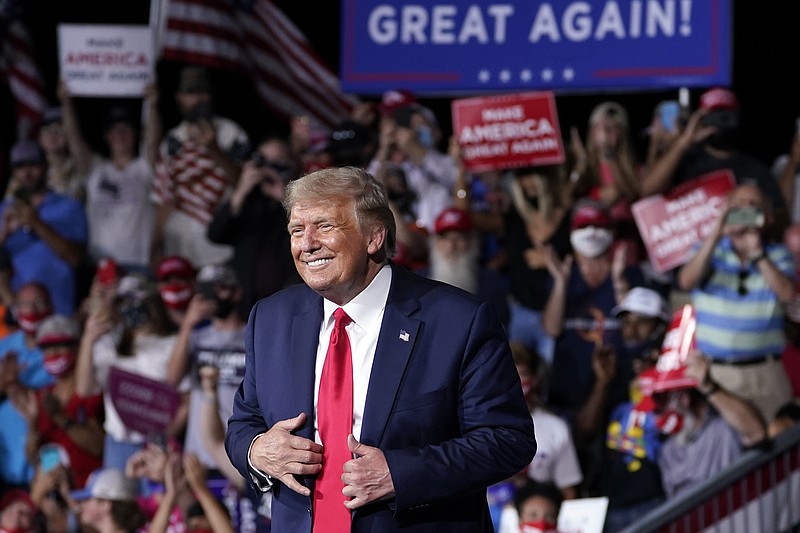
x=105 y=60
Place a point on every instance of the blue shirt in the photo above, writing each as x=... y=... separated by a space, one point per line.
x=739 y=316
x=14 y=467
x=34 y=260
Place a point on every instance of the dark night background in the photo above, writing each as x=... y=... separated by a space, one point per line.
x=766 y=71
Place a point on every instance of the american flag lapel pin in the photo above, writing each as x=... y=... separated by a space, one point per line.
x=404 y=336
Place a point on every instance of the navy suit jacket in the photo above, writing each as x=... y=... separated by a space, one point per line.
x=445 y=406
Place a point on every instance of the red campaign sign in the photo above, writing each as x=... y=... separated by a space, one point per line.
x=143 y=404
x=671 y=225
x=670 y=370
x=510 y=131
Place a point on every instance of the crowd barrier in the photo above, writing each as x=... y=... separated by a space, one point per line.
x=760 y=493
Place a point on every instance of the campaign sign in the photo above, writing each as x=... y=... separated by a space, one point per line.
x=435 y=46
x=498 y=132
x=670 y=370
x=671 y=225
x=105 y=60
x=143 y=404
x=582 y=515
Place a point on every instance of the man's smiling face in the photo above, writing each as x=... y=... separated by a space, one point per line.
x=330 y=251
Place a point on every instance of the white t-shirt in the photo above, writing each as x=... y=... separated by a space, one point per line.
x=150 y=359
x=119 y=211
x=555 y=460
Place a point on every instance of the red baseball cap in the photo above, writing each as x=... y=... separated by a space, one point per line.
x=453 y=219
x=719 y=98
x=175 y=265
x=590 y=214
x=395 y=99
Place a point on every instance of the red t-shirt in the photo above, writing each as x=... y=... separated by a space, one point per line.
x=78 y=410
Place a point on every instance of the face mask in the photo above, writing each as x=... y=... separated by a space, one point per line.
x=60 y=363
x=176 y=295
x=425 y=136
x=669 y=421
x=224 y=308
x=29 y=321
x=539 y=526
x=591 y=241
x=134 y=314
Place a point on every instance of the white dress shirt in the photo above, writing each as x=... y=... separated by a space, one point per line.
x=366 y=311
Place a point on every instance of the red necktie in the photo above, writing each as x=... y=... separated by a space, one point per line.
x=335 y=423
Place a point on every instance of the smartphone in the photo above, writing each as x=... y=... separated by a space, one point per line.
x=107 y=272
x=668 y=113
x=49 y=457
x=748 y=217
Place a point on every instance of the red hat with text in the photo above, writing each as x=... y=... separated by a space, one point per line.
x=590 y=214
x=396 y=99
x=175 y=265
x=719 y=98
x=453 y=219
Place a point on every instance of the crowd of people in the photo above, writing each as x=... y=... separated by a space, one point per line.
x=149 y=258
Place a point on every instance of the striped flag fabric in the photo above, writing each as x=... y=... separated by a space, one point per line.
x=19 y=69
x=256 y=37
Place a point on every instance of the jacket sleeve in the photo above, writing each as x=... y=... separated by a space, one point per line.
x=496 y=437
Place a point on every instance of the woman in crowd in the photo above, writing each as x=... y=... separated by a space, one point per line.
x=62 y=422
x=136 y=336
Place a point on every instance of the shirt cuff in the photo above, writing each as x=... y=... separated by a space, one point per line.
x=262 y=481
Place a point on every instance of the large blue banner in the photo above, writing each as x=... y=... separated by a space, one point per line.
x=432 y=46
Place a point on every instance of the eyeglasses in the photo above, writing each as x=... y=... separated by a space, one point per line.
x=742 y=288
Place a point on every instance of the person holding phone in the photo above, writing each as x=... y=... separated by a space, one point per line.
x=740 y=281
x=64 y=427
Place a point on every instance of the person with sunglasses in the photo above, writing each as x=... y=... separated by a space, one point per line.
x=740 y=281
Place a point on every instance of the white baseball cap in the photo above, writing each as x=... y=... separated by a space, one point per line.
x=107 y=484
x=644 y=302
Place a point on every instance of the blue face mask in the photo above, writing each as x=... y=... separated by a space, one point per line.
x=425 y=136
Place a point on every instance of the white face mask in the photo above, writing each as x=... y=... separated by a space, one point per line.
x=591 y=241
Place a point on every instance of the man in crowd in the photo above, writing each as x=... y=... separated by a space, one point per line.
x=455 y=259
x=740 y=282
x=212 y=334
x=21 y=363
x=253 y=221
x=200 y=164
x=710 y=428
x=45 y=232
x=403 y=384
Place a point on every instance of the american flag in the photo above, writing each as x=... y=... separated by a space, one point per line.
x=18 y=68
x=256 y=37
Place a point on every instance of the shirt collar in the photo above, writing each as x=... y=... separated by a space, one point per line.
x=368 y=305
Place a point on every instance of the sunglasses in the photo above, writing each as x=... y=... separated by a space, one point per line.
x=742 y=288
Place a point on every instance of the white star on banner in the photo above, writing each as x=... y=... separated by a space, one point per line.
x=526 y=75
x=568 y=73
x=547 y=74
x=484 y=76
x=505 y=75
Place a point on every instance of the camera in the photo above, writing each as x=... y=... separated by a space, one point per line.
x=206 y=290
x=23 y=195
x=284 y=171
x=748 y=217
x=200 y=112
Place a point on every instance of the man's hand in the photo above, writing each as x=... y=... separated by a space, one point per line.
x=366 y=478
x=283 y=455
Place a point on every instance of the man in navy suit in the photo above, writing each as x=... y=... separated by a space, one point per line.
x=437 y=409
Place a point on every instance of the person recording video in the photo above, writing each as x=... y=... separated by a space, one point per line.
x=740 y=281
x=254 y=223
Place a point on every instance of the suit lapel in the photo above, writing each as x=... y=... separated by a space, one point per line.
x=396 y=341
x=305 y=336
